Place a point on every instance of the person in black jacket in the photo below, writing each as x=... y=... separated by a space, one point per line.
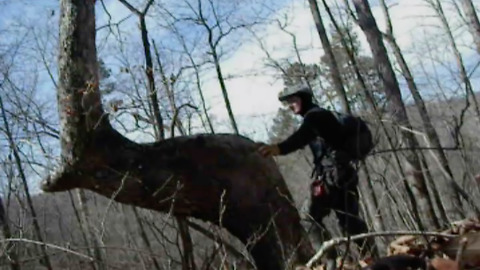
x=335 y=180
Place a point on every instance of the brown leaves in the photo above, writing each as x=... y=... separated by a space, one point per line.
x=465 y=248
x=445 y=254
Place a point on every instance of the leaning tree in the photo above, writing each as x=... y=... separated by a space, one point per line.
x=216 y=178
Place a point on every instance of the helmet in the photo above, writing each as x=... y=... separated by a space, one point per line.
x=295 y=90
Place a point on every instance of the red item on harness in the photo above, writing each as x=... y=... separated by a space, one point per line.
x=318 y=188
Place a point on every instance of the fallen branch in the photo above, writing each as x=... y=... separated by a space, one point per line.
x=336 y=241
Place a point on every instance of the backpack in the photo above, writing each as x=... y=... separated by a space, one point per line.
x=359 y=139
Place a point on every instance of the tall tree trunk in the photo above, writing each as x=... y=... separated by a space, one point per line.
x=168 y=86
x=83 y=229
x=216 y=61
x=93 y=238
x=337 y=79
x=9 y=251
x=371 y=205
x=217 y=178
x=18 y=162
x=373 y=106
x=143 y=235
x=397 y=110
x=160 y=133
x=153 y=103
x=158 y=120
x=452 y=203
x=199 y=86
x=473 y=22
x=188 y=260
x=187 y=256
x=221 y=81
x=469 y=91
x=129 y=236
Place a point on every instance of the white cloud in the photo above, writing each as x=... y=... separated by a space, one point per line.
x=253 y=89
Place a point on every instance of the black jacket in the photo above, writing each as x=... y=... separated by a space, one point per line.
x=320 y=130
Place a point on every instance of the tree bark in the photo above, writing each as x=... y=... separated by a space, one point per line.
x=473 y=22
x=397 y=110
x=9 y=251
x=337 y=80
x=217 y=178
x=453 y=202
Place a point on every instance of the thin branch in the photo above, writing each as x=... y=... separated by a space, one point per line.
x=131 y=8
x=175 y=116
x=24 y=240
x=336 y=241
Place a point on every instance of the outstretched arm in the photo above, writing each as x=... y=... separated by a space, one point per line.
x=297 y=140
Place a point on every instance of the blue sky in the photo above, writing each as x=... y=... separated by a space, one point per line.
x=253 y=87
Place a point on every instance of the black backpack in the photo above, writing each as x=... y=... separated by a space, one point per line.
x=358 y=141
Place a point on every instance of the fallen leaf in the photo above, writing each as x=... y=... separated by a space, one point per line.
x=471 y=254
x=443 y=264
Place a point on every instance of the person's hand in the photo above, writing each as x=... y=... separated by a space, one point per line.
x=269 y=150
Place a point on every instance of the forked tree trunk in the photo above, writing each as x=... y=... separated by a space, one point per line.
x=217 y=178
x=397 y=110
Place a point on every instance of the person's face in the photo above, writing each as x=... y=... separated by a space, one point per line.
x=295 y=104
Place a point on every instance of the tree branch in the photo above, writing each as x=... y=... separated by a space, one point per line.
x=336 y=241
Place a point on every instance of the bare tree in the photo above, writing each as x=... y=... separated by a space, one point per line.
x=10 y=253
x=464 y=76
x=398 y=112
x=346 y=41
x=451 y=187
x=472 y=20
x=158 y=127
x=337 y=80
x=216 y=31
x=87 y=227
x=18 y=162
x=185 y=175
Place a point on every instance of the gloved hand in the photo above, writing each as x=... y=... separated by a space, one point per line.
x=269 y=150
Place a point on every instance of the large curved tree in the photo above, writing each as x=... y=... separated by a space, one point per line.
x=216 y=178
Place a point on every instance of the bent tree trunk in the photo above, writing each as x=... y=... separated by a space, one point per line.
x=216 y=178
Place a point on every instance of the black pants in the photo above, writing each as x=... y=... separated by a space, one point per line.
x=342 y=197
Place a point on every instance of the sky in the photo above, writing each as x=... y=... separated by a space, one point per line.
x=256 y=97
x=253 y=95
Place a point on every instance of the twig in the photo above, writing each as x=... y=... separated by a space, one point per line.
x=47 y=245
x=461 y=249
x=333 y=242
